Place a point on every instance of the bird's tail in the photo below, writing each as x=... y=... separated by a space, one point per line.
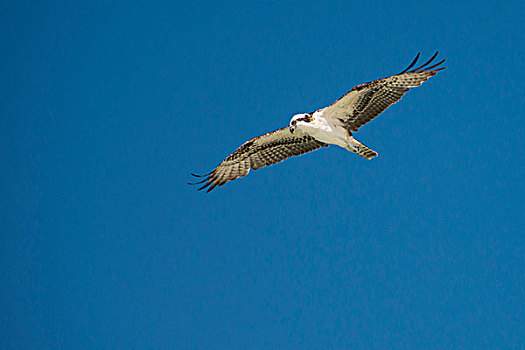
x=357 y=147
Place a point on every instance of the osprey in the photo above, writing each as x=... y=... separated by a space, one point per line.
x=334 y=125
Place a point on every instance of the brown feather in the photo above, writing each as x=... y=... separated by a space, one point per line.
x=268 y=149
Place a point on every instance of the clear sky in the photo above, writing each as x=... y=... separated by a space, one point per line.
x=107 y=106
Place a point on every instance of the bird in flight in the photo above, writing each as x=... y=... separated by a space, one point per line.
x=332 y=125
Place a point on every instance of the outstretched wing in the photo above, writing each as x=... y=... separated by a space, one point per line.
x=268 y=149
x=366 y=101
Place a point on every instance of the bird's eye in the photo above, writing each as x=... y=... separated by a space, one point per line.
x=294 y=122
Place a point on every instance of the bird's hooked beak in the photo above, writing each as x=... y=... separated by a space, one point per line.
x=292 y=128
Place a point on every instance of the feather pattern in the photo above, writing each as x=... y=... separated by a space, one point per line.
x=268 y=149
x=366 y=101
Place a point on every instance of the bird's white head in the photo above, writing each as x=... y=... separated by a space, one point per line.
x=298 y=120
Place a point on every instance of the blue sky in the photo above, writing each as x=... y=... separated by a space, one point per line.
x=108 y=106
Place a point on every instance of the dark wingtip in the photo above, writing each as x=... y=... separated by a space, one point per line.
x=424 y=67
x=411 y=64
x=426 y=63
x=196 y=183
x=206 y=178
x=206 y=181
x=197 y=175
x=203 y=187
x=212 y=187
x=432 y=66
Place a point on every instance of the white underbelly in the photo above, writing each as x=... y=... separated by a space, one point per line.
x=328 y=134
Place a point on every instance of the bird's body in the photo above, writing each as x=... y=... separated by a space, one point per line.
x=331 y=132
x=332 y=125
x=324 y=130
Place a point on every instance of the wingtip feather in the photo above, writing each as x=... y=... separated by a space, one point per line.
x=426 y=63
x=424 y=67
x=204 y=175
x=411 y=64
